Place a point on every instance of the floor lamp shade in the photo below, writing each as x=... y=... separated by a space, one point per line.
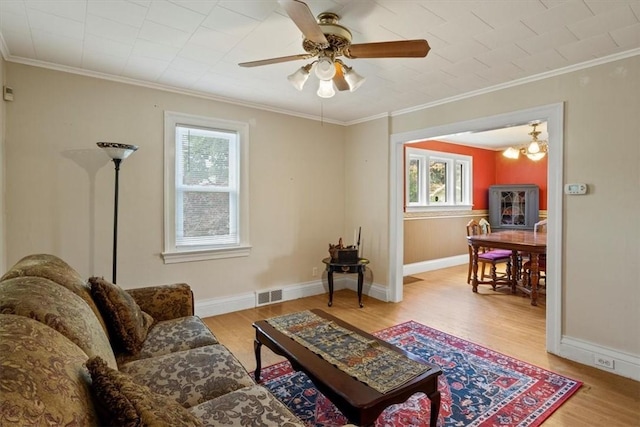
x=118 y=152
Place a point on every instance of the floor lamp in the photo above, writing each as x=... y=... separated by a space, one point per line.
x=117 y=152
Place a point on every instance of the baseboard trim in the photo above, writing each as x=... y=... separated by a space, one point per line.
x=436 y=264
x=217 y=306
x=625 y=365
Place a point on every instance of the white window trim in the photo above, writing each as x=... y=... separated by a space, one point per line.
x=173 y=254
x=424 y=156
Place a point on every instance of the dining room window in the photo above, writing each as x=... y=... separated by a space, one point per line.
x=437 y=180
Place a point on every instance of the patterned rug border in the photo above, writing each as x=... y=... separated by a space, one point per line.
x=542 y=417
x=535 y=419
x=376 y=333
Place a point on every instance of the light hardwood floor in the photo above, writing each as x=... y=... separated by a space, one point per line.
x=442 y=300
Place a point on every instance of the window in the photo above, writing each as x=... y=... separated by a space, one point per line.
x=206 y=188
x=436 y=180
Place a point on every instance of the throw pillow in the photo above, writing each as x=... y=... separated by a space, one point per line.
x=128 y=324
x=127 y=403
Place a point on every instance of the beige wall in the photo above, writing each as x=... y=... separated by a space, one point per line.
x=436 y=237
x=367 y=189
x=3 y=181
x=601 y=241
x=60 y=196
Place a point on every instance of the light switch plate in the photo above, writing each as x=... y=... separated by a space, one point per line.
x=575 y=189
x=7 y=93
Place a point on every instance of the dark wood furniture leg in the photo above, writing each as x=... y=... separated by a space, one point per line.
x=535 y=277
x=515 y=270
x=330 y=280
x=360 y=282
x=435 y=407
x=257 y=346
x=474 y=282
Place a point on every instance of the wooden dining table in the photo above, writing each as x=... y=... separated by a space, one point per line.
x=524 y=241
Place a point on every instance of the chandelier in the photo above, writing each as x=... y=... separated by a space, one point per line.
x=326 y=69
x=535 y=151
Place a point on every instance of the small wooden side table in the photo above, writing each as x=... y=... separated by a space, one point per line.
x=358 y=267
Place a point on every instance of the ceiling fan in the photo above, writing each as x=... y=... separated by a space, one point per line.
x=328 y=41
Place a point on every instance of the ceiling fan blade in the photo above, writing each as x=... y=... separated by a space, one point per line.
x=275 y=60
x=339 y=80
x=301 y=15
x=393 y=49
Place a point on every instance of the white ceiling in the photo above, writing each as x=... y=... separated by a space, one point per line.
x=497 y=139
x=195 y=46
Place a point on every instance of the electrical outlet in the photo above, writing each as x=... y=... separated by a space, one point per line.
x=604 y=361
x=314 y=271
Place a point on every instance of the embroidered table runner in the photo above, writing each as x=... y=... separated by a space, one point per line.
x=366 y=360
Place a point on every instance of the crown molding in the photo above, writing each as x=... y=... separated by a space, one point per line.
x=203 y=95
x=165 y=88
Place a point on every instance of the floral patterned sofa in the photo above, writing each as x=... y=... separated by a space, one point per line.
x=85 y=353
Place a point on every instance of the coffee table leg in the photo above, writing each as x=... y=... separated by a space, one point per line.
x=257 y=345
x=435 y=408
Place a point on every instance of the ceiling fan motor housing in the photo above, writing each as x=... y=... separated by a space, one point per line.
x=339 y=37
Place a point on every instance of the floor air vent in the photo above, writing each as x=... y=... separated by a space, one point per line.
x=268 y=297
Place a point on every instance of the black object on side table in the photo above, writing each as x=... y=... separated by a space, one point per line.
x=352 y=267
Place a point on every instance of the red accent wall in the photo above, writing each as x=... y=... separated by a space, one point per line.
x=491 y=167
x=523 y=171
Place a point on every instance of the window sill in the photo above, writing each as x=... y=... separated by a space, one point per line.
x=439 y=208
x=205 y=254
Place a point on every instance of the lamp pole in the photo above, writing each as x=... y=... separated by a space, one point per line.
x=117 y=152
x=116 y=162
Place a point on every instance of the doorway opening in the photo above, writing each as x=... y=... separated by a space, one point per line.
x=553 y=115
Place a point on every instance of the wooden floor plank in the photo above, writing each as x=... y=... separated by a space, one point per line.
x=442 y=300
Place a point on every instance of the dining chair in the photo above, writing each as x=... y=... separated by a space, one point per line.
x=538 y=227
x=487 y=255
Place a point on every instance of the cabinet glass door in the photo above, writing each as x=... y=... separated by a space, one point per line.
x=513 y=207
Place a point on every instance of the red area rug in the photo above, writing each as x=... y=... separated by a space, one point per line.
x=479 y=386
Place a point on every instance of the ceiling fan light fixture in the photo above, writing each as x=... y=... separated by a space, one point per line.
x=354 y=79
x=325 y=89
x=299 y=78
x=327 y=40
x=325 y=69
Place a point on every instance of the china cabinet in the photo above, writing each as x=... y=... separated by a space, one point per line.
x=514 y=206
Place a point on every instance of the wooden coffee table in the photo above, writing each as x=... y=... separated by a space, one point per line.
x=361 y=404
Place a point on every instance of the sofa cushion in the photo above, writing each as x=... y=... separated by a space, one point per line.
x=53 y=268
x=42 y=376
x=59 y=308
x=249 y=406
x=170 y=336
x=191 y=376
x=131 y=404
x=127 y=323
x=165 y=302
